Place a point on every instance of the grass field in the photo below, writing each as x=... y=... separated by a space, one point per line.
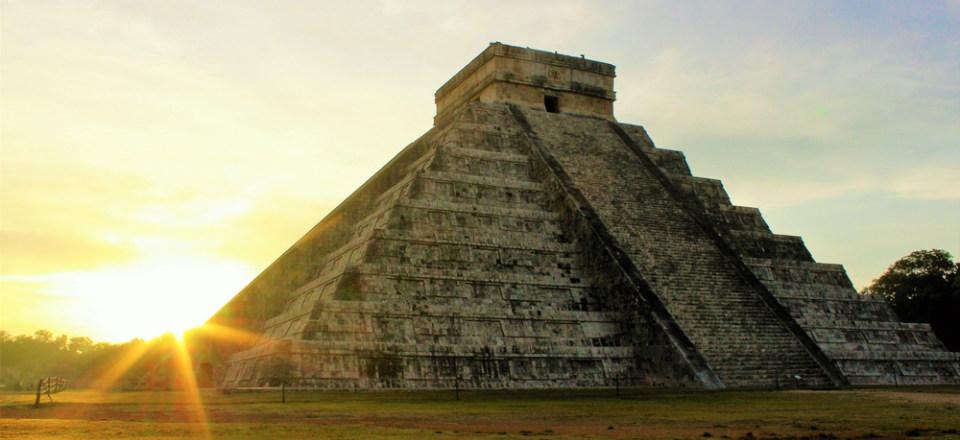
x=862 y=413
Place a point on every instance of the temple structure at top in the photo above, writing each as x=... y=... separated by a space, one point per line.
x=531 y=78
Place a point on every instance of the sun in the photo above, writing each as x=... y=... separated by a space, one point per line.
x=150 y=297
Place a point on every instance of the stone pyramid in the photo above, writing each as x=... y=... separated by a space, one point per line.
x=530 y=240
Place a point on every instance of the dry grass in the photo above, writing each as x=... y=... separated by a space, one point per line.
x=861 y=413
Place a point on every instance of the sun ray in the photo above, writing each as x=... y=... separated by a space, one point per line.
x=222 y=333
x=188 y=380
x=119 y=365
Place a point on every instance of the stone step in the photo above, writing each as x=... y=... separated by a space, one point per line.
x=899 y=351
x=672 y=162
x=481 y=163
x=480 y=239
x=766 y=370
x=810 y=310
x=843 y=323
x=694 y=325
x=870 y=353
x=770 y=270
x=486 y=114
x=487 y=198
x=816 y=291
x=713 y=302
x=709 y=191
x=414 y=272
x=473 y=308
x=732 y=217
x=755 y=244
x=453 y=256
x=472 y=208
x=484 y=155
x=739 y=347
x=469 y=349
x=499 y=182
x=774 y=380
x=477 y=193
x=485 y=137
x=741 y=372
x=733 y=329
x=473 y=227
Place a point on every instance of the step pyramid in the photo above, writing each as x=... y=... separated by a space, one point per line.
x=530 y=240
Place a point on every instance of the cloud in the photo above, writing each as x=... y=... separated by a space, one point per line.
x=842 y=93
x=43 y=251
x=787 y=125
x=934 y=182
x=781 y=193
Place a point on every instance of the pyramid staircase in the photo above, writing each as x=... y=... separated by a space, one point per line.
x=734 y=329
x=860 y=334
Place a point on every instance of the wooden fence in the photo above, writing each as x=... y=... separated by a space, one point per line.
x=50 y=386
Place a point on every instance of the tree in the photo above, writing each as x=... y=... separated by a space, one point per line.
x=43 y=336
x=279 y=371
x=924 y=287
x=80 y=344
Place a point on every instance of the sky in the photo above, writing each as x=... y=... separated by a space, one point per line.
x=156 y=156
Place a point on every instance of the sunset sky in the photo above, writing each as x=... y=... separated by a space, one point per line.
x=157 y=155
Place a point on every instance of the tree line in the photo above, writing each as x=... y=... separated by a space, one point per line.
x=137 y=364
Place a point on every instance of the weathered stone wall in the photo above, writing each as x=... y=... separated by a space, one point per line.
x=860 y=334
x=464 y=272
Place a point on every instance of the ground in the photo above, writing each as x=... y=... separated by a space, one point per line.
x=860 y=413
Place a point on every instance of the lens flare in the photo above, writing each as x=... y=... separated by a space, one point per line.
x=108 y=378
x=188 y=380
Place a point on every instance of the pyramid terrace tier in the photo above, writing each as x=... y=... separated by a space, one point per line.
x=512 y=247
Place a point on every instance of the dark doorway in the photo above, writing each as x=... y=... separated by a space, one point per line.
x=552 y=104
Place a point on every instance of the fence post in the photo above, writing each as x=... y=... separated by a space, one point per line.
x=39 y=385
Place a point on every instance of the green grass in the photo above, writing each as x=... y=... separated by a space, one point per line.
x=864 y=413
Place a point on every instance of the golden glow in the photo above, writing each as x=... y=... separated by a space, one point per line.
x=107 y=380
x=183 y=376
x=142 y=185
x=145 y=298
x=198 y=414
x=152 y=163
